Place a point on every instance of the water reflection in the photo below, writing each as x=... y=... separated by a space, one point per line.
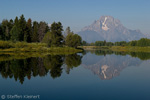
x=140 y=55
x=105 y=64
x=52 y=64
x=109 y=64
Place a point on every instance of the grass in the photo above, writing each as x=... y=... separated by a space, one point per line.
x=6 y=56
x=23 y=50
x=130 y=48
x=94 y=47
x=42 y=49
x=7 y=46
x=118 y=48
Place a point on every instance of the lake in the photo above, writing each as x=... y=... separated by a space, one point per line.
x=92 y=75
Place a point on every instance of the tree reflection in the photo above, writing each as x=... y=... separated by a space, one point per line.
x=140 y=55
x=54 y=63
x=19 y=69
x=71 y=61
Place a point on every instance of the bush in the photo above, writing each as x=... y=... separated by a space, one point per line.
x=5 y=44
x=20 y=45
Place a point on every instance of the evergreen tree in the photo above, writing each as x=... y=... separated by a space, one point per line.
x=99 y=43
x=67 y=31
x=73 y=40
x=76 y=40
x=133 y=43
x=1 y=33
x=34 y=37
x=143 y=42
x=16 y=21
x=68 y=39
x=29 y=30
x=56 y=31
x=48 y=39
x=104 y=42
x=15 y=33
x=5 y=30
x=22 y=26
x=42 y=30
x=84 y=43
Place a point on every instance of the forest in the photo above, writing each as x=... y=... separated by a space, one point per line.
x=22 y=31
x=143 y=42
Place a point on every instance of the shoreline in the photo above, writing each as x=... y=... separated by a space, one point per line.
x=8 y=46
x=118 y=48
x=42 y=49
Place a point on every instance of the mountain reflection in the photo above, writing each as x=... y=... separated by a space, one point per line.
x=105 y=64
x=52 y=64
x=109 y=64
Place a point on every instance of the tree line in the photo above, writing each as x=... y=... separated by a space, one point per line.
x=142 y=42
x=21 y=30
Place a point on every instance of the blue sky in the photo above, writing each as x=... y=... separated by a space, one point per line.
x=134 y=14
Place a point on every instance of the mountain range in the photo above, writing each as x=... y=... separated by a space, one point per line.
x=109 y=29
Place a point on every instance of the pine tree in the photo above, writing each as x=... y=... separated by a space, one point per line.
x=48 y=39
x=1 y=33
x=16 y=21
x=22 y=26
x=34 y=37
x=5 y=30
x=42 y=30
x=29 y=30
x=67 y=31
x=56 y=30
x=68 y=39
x=15 y=33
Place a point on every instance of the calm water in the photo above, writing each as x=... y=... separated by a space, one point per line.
x=92 y=75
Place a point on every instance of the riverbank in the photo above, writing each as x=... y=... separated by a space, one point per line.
x=130 y=48
x=43 y=49
x=118 y=48
x=94 y=47
x=6 y=46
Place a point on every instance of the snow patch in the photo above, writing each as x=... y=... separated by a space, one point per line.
x=104 y=26
x=104 y=20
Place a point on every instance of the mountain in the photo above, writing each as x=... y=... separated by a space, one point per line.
x=109 y=29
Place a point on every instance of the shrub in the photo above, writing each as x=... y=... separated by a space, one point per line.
x=5 y=44
x=20 y=45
